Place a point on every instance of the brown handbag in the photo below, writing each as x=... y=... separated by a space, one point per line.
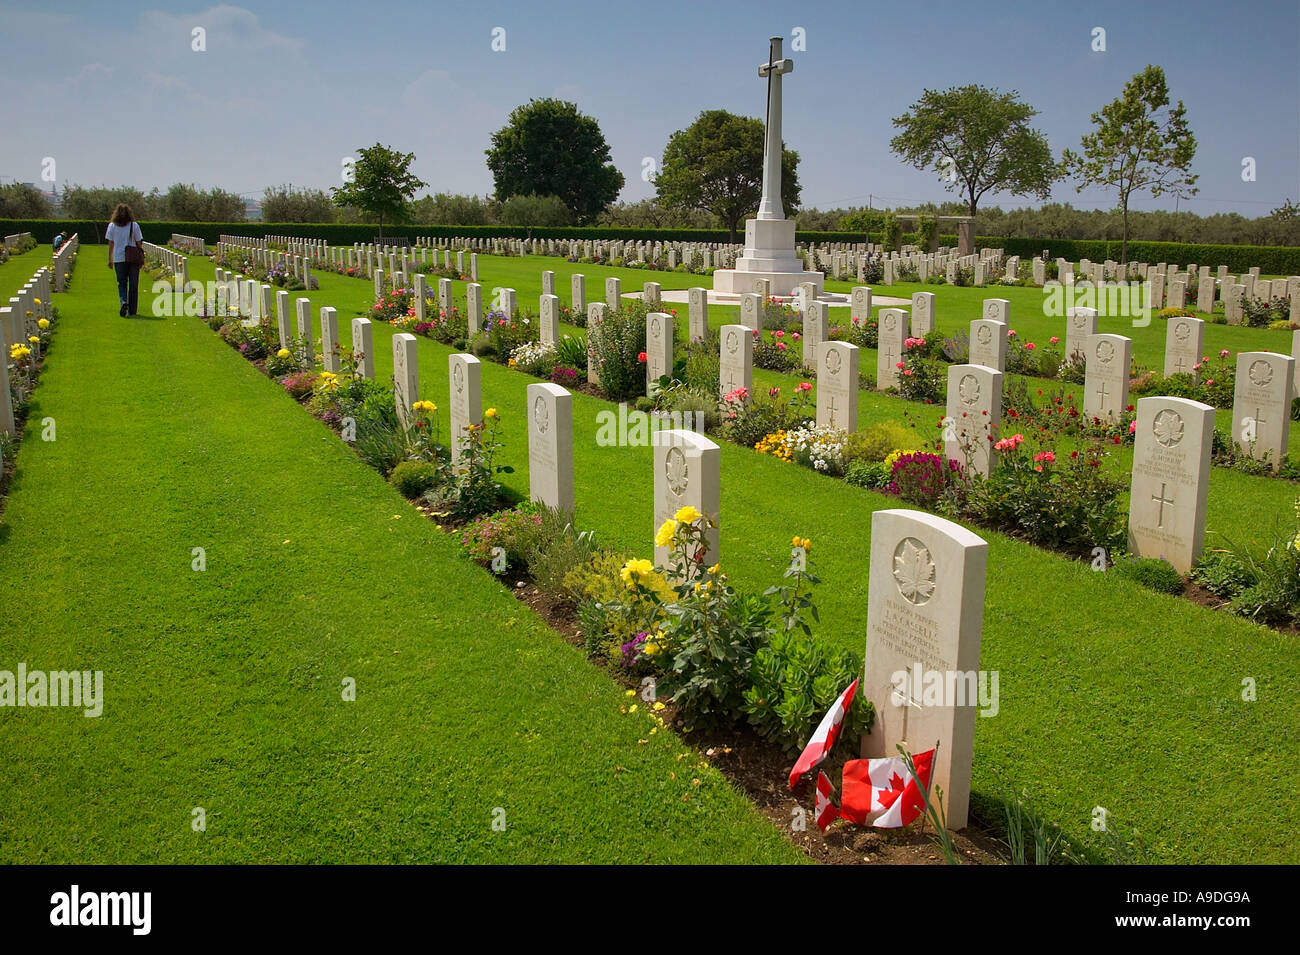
x=134 y=254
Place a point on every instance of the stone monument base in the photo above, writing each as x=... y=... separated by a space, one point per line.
x=769 y=254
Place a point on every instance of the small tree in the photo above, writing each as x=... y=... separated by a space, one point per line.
x=978 y=140
x=1139 y=143
x=716 y=164
x=382 y=184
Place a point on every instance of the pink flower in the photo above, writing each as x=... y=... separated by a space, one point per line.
x=1011 y=333
x=1208 y=382
x=756 y=333
x=803 y=386
x=797 y=336
x=1132 y=426
x=778 y=334
x=781 y=345
x=1042 y=456
x=907 y=372
x=899 y=365
x=1224 y=353
x=1029 y=346
x=1055 y=340
x=773 y=392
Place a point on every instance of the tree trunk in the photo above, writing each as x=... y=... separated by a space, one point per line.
x=1123 y=246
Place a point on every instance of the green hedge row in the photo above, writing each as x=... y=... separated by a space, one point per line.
x=1238 y=258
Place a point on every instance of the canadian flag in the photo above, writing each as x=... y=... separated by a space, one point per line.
x=819 y=747
x=826 y=810
x=883 y=792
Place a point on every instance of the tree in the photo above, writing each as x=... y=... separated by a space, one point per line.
x=447 y=209
x=188 y=203
x=549 y=148
x=382 y=184
x=535 y=210
x=18 y=200
x=716 y=164
x=286 y=204
x=979 y=140
x=1139 y=143
x=98 y=202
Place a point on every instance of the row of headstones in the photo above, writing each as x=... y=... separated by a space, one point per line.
x=292 y=263
x=367 y=257
x=190 y=244
x=18 y=325
x=64 y=259
x=13 y=240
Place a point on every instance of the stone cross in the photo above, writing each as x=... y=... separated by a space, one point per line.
x=770 y=207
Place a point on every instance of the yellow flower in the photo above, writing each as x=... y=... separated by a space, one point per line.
x=37 y=301
x=715 y=569
x=795 y=541
x=651 y=649
x=33 y=339
x=634 y=570
x=629 y=693
x=664 y=537
x=687 y=515
x=658 y=706
x=43 y=323
x=512 y=363
x=282 y=353
x=490 y=413
x=632 y=708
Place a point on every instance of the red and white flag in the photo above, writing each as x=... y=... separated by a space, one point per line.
x=883 y=793
x=819 y=747
x=827 y=812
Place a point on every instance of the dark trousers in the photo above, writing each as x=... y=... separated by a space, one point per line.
x=128 y=286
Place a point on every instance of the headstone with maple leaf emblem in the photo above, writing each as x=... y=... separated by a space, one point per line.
x=1079 y=324
x=816 y=328
x=1106 y=370
x=735 y=360
x=837 y=386
x=1171 y=479
x=1261 y=404
x=973 y=412
x=891 y=346
x=988 y=343
x=925 y=617
x=1184 y=344
x=550 y=446
x=922 y=314
x=465 y=387
x=688 y=471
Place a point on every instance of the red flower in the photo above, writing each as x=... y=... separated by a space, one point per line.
x=641 y=358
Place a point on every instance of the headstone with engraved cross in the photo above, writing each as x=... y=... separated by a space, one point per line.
x=735 y=359
x=1184 y=341
x=1261 y=405
x=1106 y=375
x=1171 y=479
x=925 y=616
x=837 y=386
x=892 y=334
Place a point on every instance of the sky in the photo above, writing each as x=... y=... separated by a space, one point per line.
x=283 y=92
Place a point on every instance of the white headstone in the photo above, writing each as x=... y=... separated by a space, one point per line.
x=303 y=307
x=687 y=472
x=550 y=319
x=406 y=375
x=925 y=615
x=658 y=348
x=1261 y=404
x=465 y=376
x=1106 y=375
x=329 y=339
x=1080 y=324
x=595 y=316
x=816 y=328
x=282 y=320
x=363 y=347
x=1171 y=479
x=736 y=359
x=837 y=385
x=751 y=310
x=988 y=344
x=474 y=308
x=697 y=304
x=578 y=294
x=892 y=334
x=974 y=411
x=1184 y=344
x=613 y=293
x=922 y=314
x=550 y=446
x=997 y=310
x=859 y=304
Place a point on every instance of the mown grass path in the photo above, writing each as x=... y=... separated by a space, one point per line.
x=223 y=688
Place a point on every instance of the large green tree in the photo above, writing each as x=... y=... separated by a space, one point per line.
x=287 y=204
x=18 y=200
x=716 y=164
x=382 y=184
x=979 y=140
x=187 y=203
x=549 y=148
x=1139 y=143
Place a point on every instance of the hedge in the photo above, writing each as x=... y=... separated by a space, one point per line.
x=1272 y=260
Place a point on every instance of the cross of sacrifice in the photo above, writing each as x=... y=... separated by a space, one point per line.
x=770 y=207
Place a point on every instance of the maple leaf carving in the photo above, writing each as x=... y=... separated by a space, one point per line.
x=914 y=571
x=1168 y=429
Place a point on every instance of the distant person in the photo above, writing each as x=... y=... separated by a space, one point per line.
x=125 y=255
x=58 y=241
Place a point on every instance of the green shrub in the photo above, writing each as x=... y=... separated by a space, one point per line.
x=557 y=549
x=794 y=680
x=876 y=442
x=873 y=475
x=413 y=478
x=514 y=531
x=616 y=346
x=1152 y=572
x=571 y=351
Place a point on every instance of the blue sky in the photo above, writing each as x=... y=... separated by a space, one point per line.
x=115 y=94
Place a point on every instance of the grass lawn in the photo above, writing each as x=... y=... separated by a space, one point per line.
x=1111 y=695
x=15 y=272
x=223 y=687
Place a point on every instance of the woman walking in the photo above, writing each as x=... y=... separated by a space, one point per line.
x=125 y=255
